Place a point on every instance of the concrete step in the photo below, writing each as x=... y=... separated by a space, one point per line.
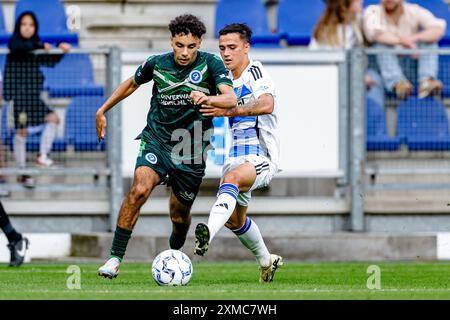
x=260 y=206
x=417 y=203
x=94 y=247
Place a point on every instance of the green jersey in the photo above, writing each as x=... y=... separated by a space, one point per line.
x=173 y=118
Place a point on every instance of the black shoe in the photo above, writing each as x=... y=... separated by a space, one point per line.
x=18 y=250
x=201 y=239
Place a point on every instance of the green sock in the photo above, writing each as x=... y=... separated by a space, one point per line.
x=120 y=241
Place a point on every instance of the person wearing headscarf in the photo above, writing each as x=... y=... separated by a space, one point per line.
x=23 y=84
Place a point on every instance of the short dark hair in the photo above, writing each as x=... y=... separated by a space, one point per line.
x=186 y=24
x=244 y=30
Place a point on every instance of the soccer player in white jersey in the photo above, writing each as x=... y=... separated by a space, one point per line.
x=253 y=157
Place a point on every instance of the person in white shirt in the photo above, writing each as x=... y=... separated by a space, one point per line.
x=254 y=153
x=399 y=24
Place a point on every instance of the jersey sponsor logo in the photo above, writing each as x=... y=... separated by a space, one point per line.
x=151 y=157
x=195 y=77
x=175 y=99
x=256 y=72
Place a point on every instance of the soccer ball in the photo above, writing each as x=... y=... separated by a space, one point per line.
x=172 y=268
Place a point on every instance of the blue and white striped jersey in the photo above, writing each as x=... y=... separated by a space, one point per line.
x=254 y=134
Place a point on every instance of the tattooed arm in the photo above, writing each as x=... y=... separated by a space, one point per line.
x=263 y=105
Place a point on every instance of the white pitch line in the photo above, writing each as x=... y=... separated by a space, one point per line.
x=229 y=291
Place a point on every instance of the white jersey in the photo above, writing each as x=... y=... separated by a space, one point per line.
x=256 y=135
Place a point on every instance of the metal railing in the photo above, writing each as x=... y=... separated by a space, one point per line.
x=397 y=143
x=98 y=171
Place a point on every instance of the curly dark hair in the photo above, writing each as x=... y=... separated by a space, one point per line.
x=244 y=30
x=186 y=24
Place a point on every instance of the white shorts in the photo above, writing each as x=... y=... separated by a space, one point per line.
x=265 y=170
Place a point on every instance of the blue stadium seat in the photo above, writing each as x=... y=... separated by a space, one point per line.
x=52 y=20
x=367 y=3
x=4 y=34
x=296 y=20
x=251 y=12
x=377 y=137
x=423 y=124
x=72 y=76
x=441 y=10
x=33 y=141
x=80 y=123
x=2 y=65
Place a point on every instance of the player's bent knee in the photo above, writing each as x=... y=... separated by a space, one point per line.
x=231 y=177
x=140 y=191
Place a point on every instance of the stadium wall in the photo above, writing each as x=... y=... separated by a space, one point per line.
x=308 y=119
x=307 y=247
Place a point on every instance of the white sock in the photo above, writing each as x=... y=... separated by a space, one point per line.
x=251 y=237
x=47 y=138
x=222 y=209
x=20 y=153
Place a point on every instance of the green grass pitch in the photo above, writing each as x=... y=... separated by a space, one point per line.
x=225 y=281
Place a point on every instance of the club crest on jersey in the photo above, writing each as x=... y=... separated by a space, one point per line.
x=195 y=77
x=151 y=157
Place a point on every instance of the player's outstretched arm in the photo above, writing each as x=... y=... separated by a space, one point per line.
x=263 y=105
x=226 y=99
x=123 y=90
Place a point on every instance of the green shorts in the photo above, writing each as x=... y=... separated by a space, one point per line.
x=185 y=179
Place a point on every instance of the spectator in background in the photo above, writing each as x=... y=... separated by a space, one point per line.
x=23 y=84
x=340 y=27
x=397 y=24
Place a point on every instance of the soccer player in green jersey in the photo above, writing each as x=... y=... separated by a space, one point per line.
x=176 y=138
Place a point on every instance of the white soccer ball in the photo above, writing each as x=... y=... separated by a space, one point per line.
x=172 y=268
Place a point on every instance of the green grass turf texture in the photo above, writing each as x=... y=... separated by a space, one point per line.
x=232 y=281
